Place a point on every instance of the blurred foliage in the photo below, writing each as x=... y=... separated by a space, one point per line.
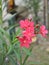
x=7 y=47
x=0 y=11
x=34 y=6
x=10 y=51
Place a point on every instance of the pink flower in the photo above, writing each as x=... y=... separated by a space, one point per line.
x=43 y=31
x=29 y=34
x=30 y=29
x=31 y=24
x=24 y=42
x=26 y=23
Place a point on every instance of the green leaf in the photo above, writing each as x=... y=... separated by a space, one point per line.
x=3 y=44
x=18 y=31
x=12 y=60
x=15 y=41
x=5 y=33
x=27 y=51
x=10 y=50
x=1 y=58
x=17 y=54
x=11 y=27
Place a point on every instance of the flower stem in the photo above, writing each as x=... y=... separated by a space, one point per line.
x=20 y=57
x=27 y=56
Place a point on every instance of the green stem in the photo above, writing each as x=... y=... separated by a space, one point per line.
x=20 y=58
x=25 y=59
x=20 y=61
x=27 y=56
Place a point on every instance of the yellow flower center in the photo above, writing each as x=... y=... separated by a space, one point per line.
x=34 y=39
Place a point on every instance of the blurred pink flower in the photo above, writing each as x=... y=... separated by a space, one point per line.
x=28 y=34
x=26 y=23
x=24 y=41
x=43 y=31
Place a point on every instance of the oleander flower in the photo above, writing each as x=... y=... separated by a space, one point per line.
x=26 y=23
x=43 y=31
x=24 y=41
x=28 y=34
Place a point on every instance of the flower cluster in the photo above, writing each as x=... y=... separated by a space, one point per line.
x=43 y=31
x=28 y=32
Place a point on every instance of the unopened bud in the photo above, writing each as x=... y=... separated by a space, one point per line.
x=30 y=17
x=37 y=26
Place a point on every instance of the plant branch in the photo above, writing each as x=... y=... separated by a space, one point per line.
x=27 y=56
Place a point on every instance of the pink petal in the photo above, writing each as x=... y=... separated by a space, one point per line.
x=25 y=45
x=42 y=27
x=46 y=31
